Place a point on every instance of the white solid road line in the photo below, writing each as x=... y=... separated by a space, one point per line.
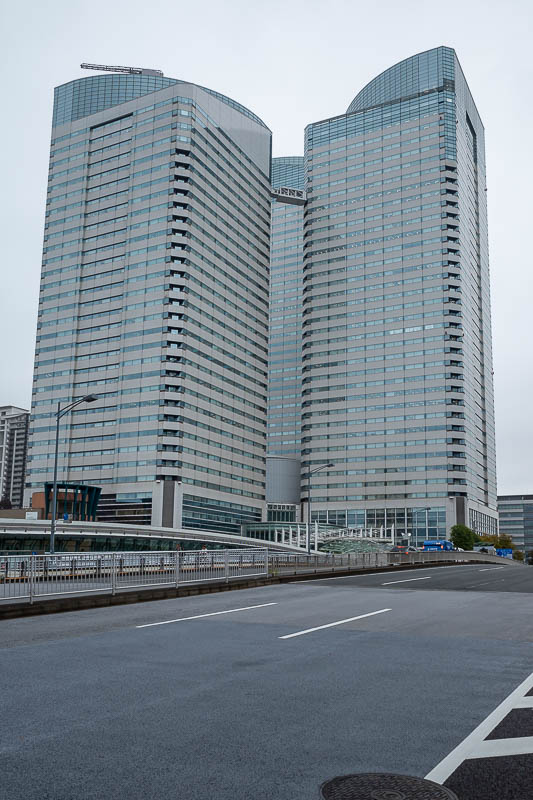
x=474 y=745
x=200 y=616
x=407 y=580
x=333 y=624
x=489 y=569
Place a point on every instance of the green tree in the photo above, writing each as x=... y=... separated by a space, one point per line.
x=518 y=555
x=502 y=540
x=463 y=537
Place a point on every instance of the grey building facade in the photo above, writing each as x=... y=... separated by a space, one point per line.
x=397 y=361
x=283 y=488
x=516 y=519
x=14 y=423
x=154 y=296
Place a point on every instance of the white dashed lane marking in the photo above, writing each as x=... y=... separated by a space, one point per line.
x=333 y=624
x=200 y=616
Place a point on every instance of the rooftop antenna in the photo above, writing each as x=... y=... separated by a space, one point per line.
x=126 y=70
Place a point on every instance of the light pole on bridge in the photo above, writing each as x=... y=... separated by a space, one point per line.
x=308 y=532
x=89 y=398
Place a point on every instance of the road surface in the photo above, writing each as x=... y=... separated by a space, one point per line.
x=268 y=692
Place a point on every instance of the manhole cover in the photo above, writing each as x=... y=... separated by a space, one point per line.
x=376 y=786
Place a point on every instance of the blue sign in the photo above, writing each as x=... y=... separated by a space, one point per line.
x=504 y=552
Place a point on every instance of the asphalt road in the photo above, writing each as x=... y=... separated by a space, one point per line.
x=266 y=702
x=477 y=577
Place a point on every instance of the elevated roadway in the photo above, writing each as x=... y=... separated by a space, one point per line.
x=268 y=692
x=168 y=537
x=284 y=537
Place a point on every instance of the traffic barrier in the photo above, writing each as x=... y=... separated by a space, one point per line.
x=39 y=576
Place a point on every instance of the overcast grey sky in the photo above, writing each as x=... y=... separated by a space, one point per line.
x=292 y=62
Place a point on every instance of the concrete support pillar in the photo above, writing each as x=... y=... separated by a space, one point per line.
x=167 y=501
x=178 y=505
x=157 y=504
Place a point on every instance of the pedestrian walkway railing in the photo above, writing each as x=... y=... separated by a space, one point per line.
x=32 y=577
x=37 y=576
x=294 y=562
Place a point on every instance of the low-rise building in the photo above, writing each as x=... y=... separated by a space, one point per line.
x=516 y=519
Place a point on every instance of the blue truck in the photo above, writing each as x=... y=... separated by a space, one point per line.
x=434 y=545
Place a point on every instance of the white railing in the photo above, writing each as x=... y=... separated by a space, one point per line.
x=297 y=535
x=30 y=577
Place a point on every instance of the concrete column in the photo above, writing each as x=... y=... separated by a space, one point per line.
x=157 y=504
x=178 y=505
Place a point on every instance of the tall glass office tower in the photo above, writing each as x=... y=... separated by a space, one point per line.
x=285 y=339
x=286 y=279
x=154 y=296
x=397 y=363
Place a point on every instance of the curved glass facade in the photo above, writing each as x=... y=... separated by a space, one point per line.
x=418 y=86
x=232 y=103
x=86 y=96
x=420 y=73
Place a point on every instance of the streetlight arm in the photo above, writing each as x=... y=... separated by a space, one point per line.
x=87 y=399
x=64 y=411
x=317 y=469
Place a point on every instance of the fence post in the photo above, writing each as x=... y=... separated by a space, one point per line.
x=266 y=560
x=32 y=573
x=226 y=566
x=177 y=568
x=113 y=574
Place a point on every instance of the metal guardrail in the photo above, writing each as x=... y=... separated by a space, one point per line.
x=280 y=563
x=32 y=577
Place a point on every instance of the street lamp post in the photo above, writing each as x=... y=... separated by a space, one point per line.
x=89 y=398
x=311 y=472
x=416 y=522
x=427 y=510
